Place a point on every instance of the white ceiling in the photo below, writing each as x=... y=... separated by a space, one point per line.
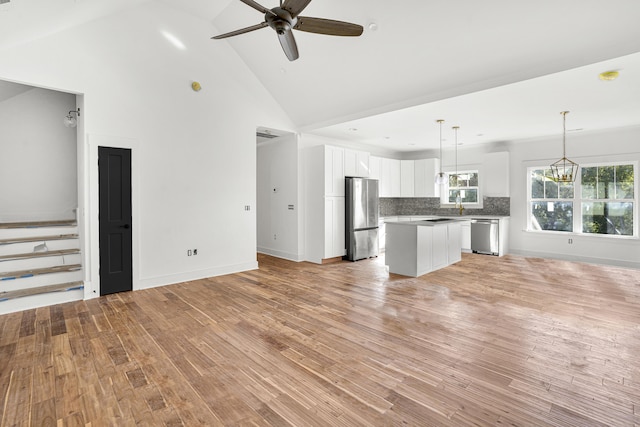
x=496 y=67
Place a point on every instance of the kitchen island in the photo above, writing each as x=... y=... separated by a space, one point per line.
x=414 y=248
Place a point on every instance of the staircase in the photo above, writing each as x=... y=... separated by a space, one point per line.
x=40 y=264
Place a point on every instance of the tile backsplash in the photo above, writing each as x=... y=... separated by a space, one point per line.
x=394 y=206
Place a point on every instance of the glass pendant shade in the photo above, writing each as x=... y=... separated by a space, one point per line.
x=70 y=121
x=441 y=178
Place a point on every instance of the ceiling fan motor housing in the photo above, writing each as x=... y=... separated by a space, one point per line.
x=280 y=20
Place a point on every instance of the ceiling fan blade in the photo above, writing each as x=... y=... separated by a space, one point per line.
x=257 y=6
x=288 y=43
x=294 y=7
x=328 y=27
x=241 y=31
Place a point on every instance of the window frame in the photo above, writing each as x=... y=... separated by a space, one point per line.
x=578 y=202
x=444 y=196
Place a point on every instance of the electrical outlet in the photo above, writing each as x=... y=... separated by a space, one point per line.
x=195 y=252
x=247 y=207
x=275 y=237
x=189 y=252
x=571 y=241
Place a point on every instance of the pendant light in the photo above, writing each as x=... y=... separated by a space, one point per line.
x=564 y=170
x=441 y=177
x=458 y=196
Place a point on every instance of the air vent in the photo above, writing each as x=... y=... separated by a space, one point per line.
x=266 y=135
x=4 y=1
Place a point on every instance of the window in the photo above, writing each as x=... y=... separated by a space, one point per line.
x=601 y=201
x=551 y=203
x=465 y=185
x=608 y=199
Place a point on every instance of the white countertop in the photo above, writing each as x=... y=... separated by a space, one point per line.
x=424 y=223
x=456 y=217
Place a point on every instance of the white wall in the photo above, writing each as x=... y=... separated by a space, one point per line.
x=194 y=154
x=610 y=146
x=277 y=188
x=38 y=173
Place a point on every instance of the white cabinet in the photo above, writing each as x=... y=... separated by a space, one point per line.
x=324 y=202
x=333 y=171
x=334 y=238
x=414 y=249
x=465 y=236
x=390 y=178
x=375 y=164
x=407 y=178
x=495 y=174
x=356 y=163
x=454 y=239
x=425 y=172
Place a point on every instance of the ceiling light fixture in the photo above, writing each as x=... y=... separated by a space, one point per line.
x=608 y=76
x=70 y=121
x=441 y=177
x=564 y=170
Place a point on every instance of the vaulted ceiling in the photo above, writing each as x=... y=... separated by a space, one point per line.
x=502 y=70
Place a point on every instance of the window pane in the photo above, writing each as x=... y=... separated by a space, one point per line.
x=469 y=195
x=452 y=195
x=606 y=182
x=473 y=179
x=566 y=190
x=537 y=184
x=607 y=218
x=550 y=189
x=624 y=182
x=589 y=179
x=557 y=216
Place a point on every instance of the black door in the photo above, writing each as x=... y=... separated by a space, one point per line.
x=116 y=271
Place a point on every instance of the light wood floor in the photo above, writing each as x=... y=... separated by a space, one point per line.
x=488 y=341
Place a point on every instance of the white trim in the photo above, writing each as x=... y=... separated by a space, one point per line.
x=280 y=254
x=574 y=258
x=172 y=279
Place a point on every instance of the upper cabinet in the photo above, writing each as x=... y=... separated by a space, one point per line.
x=356 y=163
x=425 y=173
x=375 y=166
x=333 y=171
x=407 y=178
x=389 y=178
x=495 y=174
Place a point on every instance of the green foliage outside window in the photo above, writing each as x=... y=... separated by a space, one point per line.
x=550 y=212
x=464 y=184
x=607 y=198
x=612 y=190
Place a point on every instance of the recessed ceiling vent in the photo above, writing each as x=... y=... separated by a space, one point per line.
x=266 y=135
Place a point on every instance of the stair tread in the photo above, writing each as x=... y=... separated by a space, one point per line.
x=37 y=224
x=60 y=287
x=38 y=239
x=37 y=271
x=44 y=254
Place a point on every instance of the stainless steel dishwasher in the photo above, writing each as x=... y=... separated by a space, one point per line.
x=485 y=236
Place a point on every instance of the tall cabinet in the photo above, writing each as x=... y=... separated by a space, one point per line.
x=325 y=169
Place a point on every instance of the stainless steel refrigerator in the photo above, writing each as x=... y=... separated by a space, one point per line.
x=361 y=218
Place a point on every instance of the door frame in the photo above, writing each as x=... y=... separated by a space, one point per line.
x=90 y=205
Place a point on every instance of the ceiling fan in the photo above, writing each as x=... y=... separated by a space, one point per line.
x=285 y=18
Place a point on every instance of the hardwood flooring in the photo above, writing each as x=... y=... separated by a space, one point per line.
x=488 y=341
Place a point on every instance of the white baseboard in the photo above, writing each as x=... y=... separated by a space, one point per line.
x=588 y=260
x=280 y=254
x=152 y=282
